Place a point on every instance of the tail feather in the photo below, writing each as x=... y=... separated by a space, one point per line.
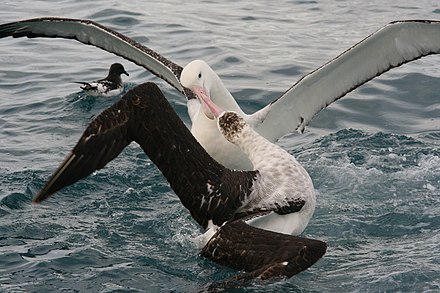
x=86 y=86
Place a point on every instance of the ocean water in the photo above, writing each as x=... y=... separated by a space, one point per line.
x=374 y=156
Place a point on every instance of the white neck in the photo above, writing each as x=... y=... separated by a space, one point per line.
x=222 y=97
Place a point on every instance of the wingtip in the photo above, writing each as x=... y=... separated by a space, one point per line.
x=82 y=160
x=261 y=254
x=41 y=196
x=36 y=201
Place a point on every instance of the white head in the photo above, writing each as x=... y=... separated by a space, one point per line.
x=202 y=80
x=198 y=73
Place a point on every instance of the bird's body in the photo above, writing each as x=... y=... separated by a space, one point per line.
x=282 y=184
x=232 y=206
x=109 y=86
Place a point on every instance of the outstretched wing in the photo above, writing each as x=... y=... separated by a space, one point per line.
x=260 y=253
x=393 y=45
x=102 y=141
x=206 y=188
x=92 y=33
x=137 y=117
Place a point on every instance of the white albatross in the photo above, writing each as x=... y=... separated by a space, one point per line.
x=394 y=44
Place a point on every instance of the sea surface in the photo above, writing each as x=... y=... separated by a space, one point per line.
x=374 y=156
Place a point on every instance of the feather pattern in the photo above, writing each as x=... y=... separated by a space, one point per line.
x=213 y=194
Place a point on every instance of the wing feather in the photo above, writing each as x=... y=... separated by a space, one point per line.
x=95 y=34
x=260 y=253
x=102 y=141
x=391 y=46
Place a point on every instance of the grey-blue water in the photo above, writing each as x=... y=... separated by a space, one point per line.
x=374 y=156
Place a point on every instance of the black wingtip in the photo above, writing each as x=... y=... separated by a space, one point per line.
x=105 y=137
x=35 y=201
x=41 y=196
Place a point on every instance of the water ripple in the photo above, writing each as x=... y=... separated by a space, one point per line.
x=374 y=156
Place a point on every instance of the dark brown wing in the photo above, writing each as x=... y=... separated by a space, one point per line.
x=103 y=140
x=260 y=253
x=206 y=188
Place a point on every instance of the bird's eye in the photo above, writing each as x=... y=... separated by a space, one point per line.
x=200 y=75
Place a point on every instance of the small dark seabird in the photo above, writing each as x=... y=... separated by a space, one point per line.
x=232 y=206
x=109 y=86
x=394 y=44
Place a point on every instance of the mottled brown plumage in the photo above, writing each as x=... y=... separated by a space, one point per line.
x=231 y=124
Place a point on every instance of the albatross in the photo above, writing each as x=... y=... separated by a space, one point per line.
x=394 y=44
x=249 y=216
x=109 y=86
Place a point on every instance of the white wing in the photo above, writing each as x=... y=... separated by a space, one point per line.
x=92 y=33
x=391 y=46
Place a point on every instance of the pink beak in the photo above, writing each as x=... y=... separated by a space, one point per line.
x=210 y=109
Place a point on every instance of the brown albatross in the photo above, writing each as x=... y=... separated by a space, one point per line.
x=232 y=206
